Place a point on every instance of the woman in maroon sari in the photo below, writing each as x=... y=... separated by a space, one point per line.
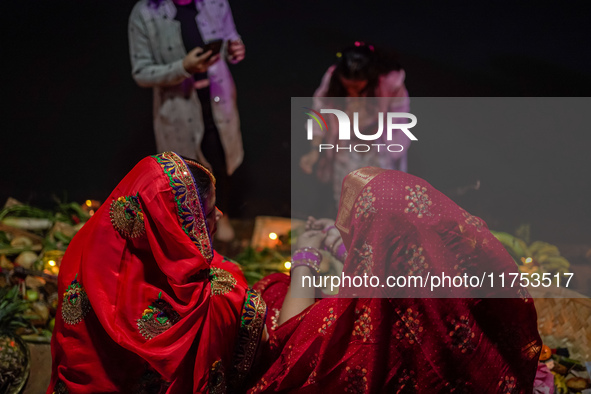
x=393 y=223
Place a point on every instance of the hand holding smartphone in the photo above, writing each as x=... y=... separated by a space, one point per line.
x=198 y=60
x=213 y=46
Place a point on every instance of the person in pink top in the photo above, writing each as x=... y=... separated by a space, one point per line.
x=361 y=71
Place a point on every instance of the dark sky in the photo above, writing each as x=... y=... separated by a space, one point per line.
x=75 y=122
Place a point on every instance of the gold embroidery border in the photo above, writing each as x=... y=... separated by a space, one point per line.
x=353 y=184
x=251 y=329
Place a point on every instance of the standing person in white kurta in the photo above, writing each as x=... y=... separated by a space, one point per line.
x=195 y=112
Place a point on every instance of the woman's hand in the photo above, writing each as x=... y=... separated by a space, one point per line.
x=318 y=224
x=308 y=160
x=333 y=240
x=198 y=62
x=236 y=51
x=310 y=239
x=299 y=296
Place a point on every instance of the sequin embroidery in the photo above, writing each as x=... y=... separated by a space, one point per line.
x=127 y=216
x=364 y=204
x=419 y=201
x=222 y=282
x=362 y=326
x=157 y=318
x=75 y=303
x=416 y=260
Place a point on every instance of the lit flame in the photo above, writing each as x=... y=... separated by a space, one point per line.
x=287 y=265
x=273 y=236
x=88 y=203
x=528 y=260
x=51 y=262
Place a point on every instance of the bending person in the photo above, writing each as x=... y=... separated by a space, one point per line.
x=364 y=80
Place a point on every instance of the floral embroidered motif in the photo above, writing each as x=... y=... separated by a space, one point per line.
x=254 y=313
x=275 y=319
x=157 y=318
x=364 y=204
x=507 y=385
x=217 y=378
x=328 y=320
x=75 y=303
x=362 y=326
x=462 y=335
x=357 y=382
x=419 y=201
x=313 y=374
x=409 y=326
x=472 y=221
x=190 y=211
x=406 y=382
x=416 y=260
x=222 y=282
x=60 y=387
x=127 y=216
x=365 y=260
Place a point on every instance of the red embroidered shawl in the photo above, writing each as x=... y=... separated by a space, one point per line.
x=147 y=305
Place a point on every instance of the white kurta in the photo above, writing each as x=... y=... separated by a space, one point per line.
x=157 y=51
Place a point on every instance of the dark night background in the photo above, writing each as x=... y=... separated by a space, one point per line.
x=75 y=122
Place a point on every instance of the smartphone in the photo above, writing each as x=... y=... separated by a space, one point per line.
x=213 y=46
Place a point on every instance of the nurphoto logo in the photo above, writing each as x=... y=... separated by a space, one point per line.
x=344 y=129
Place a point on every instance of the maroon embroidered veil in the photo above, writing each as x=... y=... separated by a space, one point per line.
x=395 y=223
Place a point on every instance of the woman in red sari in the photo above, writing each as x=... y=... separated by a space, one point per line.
x=393 y=223
x=147 y=306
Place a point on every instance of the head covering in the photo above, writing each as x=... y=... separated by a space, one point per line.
x=397 y=218
x=395 y=223
x=147 y=305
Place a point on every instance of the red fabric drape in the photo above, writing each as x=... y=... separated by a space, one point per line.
x=147 y=305
x=393 y=223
